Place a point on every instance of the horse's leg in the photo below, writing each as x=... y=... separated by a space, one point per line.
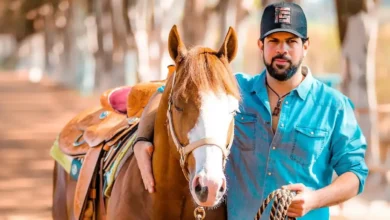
x=129 y=200
x=63 y=194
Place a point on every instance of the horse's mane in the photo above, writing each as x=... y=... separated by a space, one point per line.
x=201 y=69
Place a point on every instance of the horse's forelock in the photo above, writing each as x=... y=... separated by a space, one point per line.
x=203 y=70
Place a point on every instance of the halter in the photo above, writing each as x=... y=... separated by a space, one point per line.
x=184 y=151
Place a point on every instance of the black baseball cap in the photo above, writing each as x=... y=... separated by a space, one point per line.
x=283 y=17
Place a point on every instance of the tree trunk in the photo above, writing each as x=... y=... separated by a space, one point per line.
x=358 y=28
x=194 y=22
x=119 y=41
x=131 y=56
x=100 y=70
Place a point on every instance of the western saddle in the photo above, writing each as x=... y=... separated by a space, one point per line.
x=96 y=137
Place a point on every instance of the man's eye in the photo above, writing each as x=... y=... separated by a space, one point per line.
x=292 y=41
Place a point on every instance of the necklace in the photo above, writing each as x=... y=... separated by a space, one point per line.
x=276 y=110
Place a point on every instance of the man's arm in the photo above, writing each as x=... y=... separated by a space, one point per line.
x=148 y=117
x=342 y=189
x=143 y=150
x=348 y=147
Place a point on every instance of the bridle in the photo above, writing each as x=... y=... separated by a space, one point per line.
x=184 y=151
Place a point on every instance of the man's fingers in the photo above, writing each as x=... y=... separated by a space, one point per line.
x=150 y=150
x=297 y=199
x=294 y=207
x=146 y=172
x=143 y=155
x=294 y=212
x=294 y=187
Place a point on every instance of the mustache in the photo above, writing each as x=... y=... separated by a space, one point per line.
x=281 y=56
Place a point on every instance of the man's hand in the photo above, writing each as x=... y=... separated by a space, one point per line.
x=143 y=151
x=303 y=202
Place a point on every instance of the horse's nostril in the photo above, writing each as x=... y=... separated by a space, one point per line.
x=221 y=189
x=198 y=188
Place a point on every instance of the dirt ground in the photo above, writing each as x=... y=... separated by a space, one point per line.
x=31 y=115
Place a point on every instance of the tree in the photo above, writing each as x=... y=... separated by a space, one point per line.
x=358 y=28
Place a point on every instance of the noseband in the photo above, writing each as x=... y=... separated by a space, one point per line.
x=184 y=151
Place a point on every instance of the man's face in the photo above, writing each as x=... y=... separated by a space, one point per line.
x=283 y=53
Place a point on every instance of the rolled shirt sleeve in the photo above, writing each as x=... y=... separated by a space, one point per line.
x=349 y=145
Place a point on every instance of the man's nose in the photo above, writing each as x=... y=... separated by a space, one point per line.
x=282 y=48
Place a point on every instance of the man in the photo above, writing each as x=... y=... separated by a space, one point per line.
x=292 y=131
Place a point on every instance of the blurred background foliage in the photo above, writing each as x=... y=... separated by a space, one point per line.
x=94 y=45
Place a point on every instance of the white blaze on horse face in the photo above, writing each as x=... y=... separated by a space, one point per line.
x=215 y=117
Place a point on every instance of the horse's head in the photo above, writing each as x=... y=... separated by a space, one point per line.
x=204 y=97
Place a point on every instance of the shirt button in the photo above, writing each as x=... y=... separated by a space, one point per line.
x=282 y=125
x=242 y=118
x=273 y=148
x=269 y=174
x=311 y=133
x=286 y=102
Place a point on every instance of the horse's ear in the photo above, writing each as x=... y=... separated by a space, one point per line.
x=175 y=45
x=229 y=46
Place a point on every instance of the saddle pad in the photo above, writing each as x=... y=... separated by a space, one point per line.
x=71 y=165
x=113 y=171
x=64 y=160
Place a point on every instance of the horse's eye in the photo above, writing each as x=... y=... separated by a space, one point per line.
x=178 y=108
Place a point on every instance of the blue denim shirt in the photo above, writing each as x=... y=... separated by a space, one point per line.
x=316 y=135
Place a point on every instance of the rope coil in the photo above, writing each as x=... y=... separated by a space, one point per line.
x=282 y=200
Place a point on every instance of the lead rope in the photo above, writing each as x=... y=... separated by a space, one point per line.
x=282 y=200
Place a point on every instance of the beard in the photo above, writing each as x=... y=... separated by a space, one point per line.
x=279 y=72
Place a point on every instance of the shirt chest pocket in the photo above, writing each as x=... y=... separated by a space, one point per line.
x=308 y=144
x=244 y=132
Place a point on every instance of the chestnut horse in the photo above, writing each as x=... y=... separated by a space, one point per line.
x=192 y=138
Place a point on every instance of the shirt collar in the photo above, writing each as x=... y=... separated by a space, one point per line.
x=303 y=89
x=305 y=86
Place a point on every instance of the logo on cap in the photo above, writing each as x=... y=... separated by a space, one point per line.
x=282 y=15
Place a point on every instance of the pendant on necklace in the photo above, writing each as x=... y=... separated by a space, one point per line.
x=277 y=108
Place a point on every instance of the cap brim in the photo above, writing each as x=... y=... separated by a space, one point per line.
x=282 y=30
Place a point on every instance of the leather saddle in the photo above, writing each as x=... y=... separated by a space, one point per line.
x=120 y=107
x=95 y=136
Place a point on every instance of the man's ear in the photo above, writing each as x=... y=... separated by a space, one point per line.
x=260 y=44
x=306 y=47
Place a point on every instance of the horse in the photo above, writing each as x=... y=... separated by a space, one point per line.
x=193 y=133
